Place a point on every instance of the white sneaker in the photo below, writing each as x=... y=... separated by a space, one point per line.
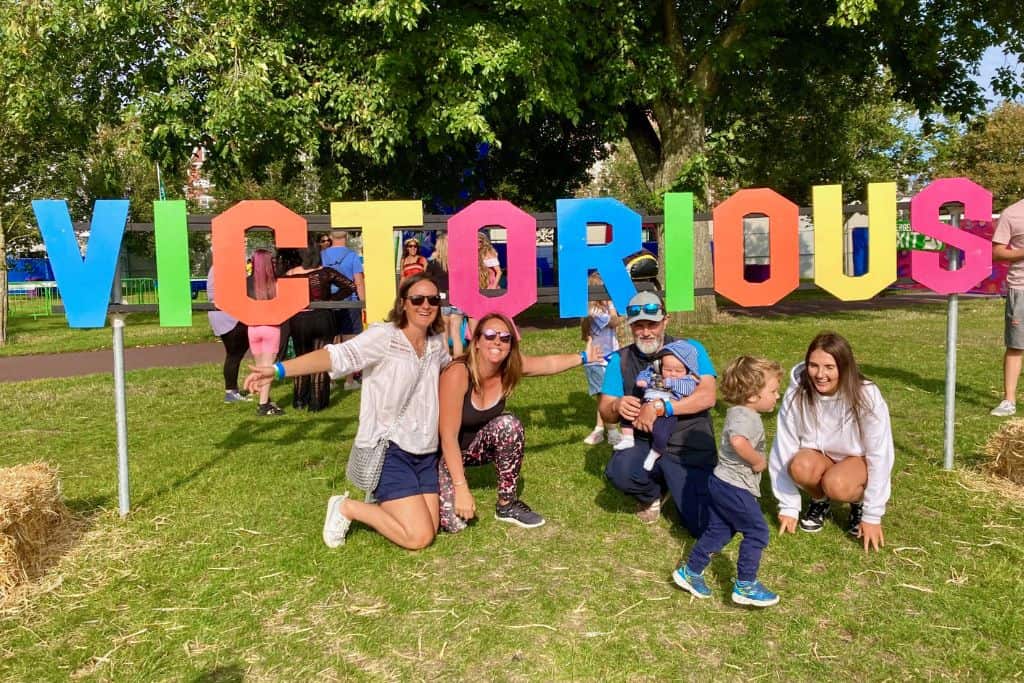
x=595 y=437
x=614 y=437
x=1004 y=409
x=336 y=524
x=351 y=385
x=624 y=443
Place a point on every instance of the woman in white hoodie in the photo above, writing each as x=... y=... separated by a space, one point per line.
x=834 y=440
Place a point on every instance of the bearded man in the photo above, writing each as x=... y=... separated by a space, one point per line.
x=683 y=470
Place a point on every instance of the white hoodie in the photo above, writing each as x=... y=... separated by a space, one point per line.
x=833 y=431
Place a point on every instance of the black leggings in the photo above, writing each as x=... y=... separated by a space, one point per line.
x=236 y=343
x=310 y=331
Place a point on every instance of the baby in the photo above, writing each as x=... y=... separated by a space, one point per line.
x=671 y=376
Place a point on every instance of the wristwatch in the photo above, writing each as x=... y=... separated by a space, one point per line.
x=659 y=407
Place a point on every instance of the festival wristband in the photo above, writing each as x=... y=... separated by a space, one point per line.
x=669 y=411
x=459 y=483
x=583 y=357
x=279 y=372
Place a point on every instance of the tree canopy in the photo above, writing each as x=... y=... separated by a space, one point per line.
x=990 y=152
x=397 y=98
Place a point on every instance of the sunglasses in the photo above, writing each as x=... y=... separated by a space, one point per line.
x=649 y=309
x=418 y=299
x=325 y=240
x=491 y=335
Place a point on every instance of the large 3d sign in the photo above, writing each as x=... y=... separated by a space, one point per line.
x=85 y=282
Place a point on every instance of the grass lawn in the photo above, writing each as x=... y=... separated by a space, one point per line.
x=220 y=573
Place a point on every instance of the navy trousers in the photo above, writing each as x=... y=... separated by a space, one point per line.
x=687 y=485
x=733 y=511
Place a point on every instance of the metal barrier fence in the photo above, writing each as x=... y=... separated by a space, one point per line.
x=38 y=299
x=138 y=290
x=35 y=299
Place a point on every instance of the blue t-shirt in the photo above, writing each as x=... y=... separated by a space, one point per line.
x=612 y=385
x=345 y=261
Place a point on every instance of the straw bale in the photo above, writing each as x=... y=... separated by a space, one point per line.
x=32 y=515
x=1005 y=449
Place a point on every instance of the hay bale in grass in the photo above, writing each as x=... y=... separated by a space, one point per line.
x=1005 y=449
x=32 y=514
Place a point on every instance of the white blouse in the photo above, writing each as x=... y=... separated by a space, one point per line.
x=390 y=367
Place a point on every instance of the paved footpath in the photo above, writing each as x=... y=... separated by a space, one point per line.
x=20 y=368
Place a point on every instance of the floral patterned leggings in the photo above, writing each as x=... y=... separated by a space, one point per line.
x=500 y=441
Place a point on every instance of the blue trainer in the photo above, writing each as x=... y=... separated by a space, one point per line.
x=753 y=593
x=694 y=583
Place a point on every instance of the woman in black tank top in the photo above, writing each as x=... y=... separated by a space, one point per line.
x=474 y=427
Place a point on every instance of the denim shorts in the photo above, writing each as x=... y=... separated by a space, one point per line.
x=406 y=474
x=595 y=378
x=1013 y=333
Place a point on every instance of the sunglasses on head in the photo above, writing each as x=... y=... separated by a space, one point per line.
x=491 y=335
x=649 y=309
x=418 y=299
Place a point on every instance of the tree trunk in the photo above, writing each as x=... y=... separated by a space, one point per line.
x=3 y=285
x=664 y=142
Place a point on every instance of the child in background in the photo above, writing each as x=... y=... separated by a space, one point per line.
x=752 y=386
x=671 y=376
x=600 y=332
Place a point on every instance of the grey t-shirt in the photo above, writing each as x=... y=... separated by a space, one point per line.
x=731 y=468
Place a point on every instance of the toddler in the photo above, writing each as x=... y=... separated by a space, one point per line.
x=599 y=330
x=752 y=386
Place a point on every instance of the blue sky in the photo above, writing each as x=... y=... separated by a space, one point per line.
x=993 y=59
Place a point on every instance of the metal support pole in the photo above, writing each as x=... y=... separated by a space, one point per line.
x=123 y=503
x=952 y=321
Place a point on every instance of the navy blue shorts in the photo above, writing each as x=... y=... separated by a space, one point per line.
x=406 y=474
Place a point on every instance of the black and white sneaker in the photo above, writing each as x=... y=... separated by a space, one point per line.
x=817 y=512
x=519 y=513
x=269 y=409
x=856 y=513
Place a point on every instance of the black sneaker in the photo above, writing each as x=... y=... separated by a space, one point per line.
x=267 y=409
x=856 y=513
x=817 y=512
x=518 y=512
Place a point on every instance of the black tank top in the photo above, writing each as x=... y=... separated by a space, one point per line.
x=473 y=419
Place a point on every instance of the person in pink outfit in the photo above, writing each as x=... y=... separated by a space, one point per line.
x=264 y=340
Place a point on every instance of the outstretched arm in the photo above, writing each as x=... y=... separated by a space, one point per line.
x=537 y=366
x=307 y=364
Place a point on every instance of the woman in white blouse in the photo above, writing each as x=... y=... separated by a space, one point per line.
x=390 y=356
